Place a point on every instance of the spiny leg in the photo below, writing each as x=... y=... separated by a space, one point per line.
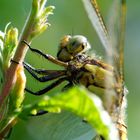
x=41 y=71
x=48 y=88
x=51 y=74
x=47 y=56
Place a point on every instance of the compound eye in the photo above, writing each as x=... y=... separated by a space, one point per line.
x=73 y=43
x=64 y=41
x=84 y=45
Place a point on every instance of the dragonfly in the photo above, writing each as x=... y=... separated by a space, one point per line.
x=103 y=78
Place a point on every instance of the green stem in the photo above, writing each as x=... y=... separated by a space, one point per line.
x=33 y=27
x=7 y=129
x=19 y=57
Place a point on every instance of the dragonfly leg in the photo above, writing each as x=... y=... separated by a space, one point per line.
x=41 y=71
x=51 y=76
x=66 y=87
x=47 y=56
x=99 y=137
x=40 y=112
x=48 y=88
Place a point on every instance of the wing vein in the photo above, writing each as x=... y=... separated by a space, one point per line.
x=97 y=21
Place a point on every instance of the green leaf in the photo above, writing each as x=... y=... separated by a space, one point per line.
x=87 y=106
x=59 y=126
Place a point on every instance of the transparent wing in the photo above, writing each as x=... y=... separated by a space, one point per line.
x=97 y=21
x=112 y=40
x=117 y=32
x=116 y=28
x=121 y=41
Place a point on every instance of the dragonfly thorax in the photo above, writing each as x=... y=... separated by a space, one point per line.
x=70 y=46
x=91 y=73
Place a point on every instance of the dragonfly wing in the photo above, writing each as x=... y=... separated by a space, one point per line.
x=122 y=39
x=117 y=34
x=97 y=21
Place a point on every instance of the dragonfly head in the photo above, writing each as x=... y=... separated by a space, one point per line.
x=70 y=46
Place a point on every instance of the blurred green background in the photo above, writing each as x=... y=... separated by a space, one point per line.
x=70 y=18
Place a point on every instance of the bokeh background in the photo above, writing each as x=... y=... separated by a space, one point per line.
x=70 y=18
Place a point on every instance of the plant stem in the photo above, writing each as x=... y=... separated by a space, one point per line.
x=7 y=129
x=19 y=57
x=35 y=25
x=32 y=28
